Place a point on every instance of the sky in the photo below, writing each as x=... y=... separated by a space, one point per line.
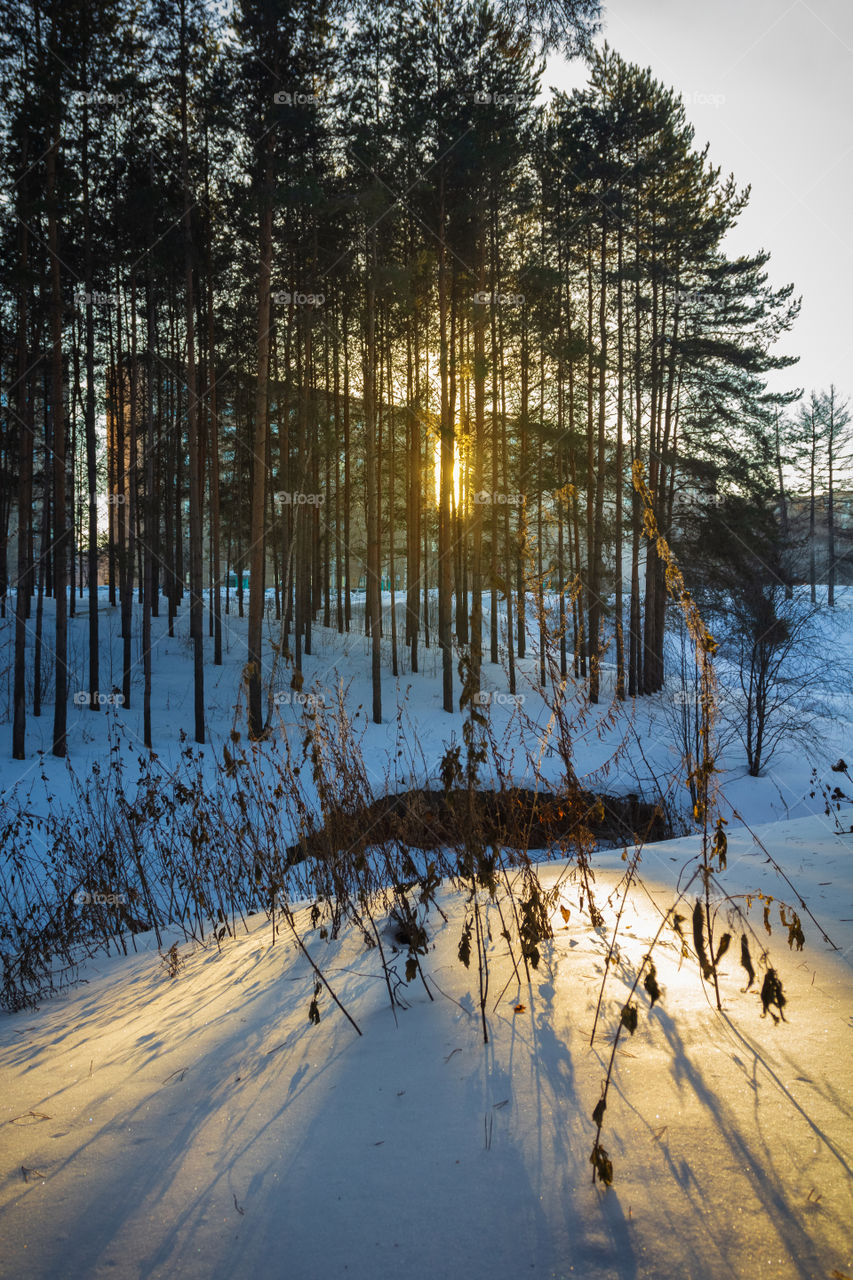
x=769 y=84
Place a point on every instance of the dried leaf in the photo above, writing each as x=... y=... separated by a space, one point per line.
x=464 y=951
x=796 y=935
x=720 y=844
x=723 y=947
x=629 y=1017
x=699 y=940
x=602 y=1165
x=650 y=982
x=771 y=993
x=794 y=927
x=746 y=961
x=598 y=1113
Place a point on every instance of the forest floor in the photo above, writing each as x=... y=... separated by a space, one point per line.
x=620 y=748
x=202 y=1126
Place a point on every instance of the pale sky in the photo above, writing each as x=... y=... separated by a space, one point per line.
x=769 y=83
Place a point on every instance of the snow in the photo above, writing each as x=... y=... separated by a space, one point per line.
x=631 y=749
x=202 y=1126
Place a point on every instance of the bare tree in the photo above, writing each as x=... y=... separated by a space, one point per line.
x=785 y=664
x=835 y=415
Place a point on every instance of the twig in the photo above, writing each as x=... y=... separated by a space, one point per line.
x=36 y=1115
x=288 y=915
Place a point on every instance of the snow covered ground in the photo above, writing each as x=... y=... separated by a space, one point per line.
x=629 y=749
x=201 y=1125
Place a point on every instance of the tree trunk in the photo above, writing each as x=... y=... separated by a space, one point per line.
x=256 y=581
x=445 y=547
x=373 y=602
x=196 y=597
x=25 y=482
x=60 y=575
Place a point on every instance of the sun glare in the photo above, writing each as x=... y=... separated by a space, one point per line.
x=458 y=469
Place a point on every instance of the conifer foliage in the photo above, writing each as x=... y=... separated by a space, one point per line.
x=323 y=302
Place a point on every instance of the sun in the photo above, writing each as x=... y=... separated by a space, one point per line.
x=458 y=471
